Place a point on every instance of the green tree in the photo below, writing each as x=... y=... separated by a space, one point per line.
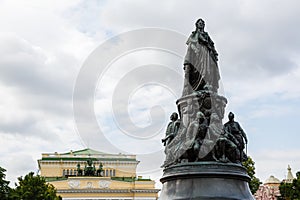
x=34 y=187
x=296 y=185
x=290 y=191
x=286 y=191
x=4 y=188
x=254 y=182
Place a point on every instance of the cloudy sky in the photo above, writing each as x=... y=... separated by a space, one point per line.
x=106 y=75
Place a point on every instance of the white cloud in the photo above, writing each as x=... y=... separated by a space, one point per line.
x=275 y=162
x=43 y=45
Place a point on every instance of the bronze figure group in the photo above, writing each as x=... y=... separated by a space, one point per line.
x=197 y=133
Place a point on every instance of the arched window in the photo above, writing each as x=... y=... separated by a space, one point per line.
x=110 y=173
x=106 y=172
x=67 y=172
x=64 y=172
x=114 y=173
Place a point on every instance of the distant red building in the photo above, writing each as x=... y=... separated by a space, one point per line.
x=270 y=189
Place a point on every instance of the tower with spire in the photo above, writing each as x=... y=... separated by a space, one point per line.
x=289 y=177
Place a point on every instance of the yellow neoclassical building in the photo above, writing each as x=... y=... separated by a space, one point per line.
x=92 y=175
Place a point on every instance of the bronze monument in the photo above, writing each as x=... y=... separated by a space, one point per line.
x=203 y=156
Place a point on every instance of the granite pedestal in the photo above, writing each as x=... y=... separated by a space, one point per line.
x=205 y=181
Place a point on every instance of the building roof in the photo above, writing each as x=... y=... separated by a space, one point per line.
x=87 y=153
x=272 y=180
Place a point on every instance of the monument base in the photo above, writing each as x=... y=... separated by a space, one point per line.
x=205 y=181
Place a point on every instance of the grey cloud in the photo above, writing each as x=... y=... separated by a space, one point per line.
x=261 y=44
x=25 y=66
x=250 y=38
x=36 y=83
x=256 y=40
x=30 y=126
